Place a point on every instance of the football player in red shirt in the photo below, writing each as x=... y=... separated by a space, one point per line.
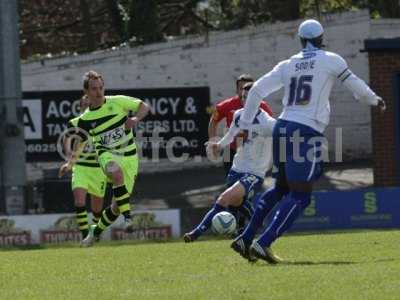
x=225 y=110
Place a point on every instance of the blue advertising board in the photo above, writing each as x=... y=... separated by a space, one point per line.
x=364 y=208
x=397 y=122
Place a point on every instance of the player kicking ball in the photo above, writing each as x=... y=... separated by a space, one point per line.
x=307 y=78
x=246 y=176
x=106 y=122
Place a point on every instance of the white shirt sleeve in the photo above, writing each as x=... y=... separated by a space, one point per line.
x=269 y=126
x=264 y=86
x=360 y=89
x=229 y=136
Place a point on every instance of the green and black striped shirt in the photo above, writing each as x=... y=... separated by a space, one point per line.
x=106 y=125
x=88 y=156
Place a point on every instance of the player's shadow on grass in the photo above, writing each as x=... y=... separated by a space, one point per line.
x=333 y=263
x=316 y=263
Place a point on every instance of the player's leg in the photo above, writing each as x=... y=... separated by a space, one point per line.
x=271 y=197
x=80 y=210
x=123 y=176
x=96 y=188
x=130 y=168
x=79 y=184
x=120 y=193
x=245 y=209
x=301 y=173
x=112 y=165
x=232 y=196
x=111 y=169
x=243 y=214
x=288 y=210
x=96 y=203
x=264 y=206
x=191 y=236
x=108 y=216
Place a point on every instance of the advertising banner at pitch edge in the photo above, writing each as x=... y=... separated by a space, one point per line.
x=177 y=122
x=27 y=230
x=354 y=209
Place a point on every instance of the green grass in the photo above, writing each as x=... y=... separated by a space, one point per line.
x=357 y=265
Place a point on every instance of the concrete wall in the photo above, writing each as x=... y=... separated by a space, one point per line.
x=195 y=62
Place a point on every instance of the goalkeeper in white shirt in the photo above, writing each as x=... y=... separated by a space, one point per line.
x=307 y=78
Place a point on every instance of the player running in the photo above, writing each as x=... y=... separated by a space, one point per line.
x=307 y=78
x=106 y=122
x=87 y=177
x=246 y=176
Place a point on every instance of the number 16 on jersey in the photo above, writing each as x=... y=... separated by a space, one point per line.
x=300 y=90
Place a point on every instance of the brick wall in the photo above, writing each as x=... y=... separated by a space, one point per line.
x=384 y=64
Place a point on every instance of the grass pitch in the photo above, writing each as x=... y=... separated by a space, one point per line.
x=356 y=265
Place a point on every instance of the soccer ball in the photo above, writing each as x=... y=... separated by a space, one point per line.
x=223 y=223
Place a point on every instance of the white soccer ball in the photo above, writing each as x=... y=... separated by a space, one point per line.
x=223 y=223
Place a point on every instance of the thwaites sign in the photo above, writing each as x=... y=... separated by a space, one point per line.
x=177 y=122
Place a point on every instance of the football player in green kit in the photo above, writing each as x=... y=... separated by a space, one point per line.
x=107 y=124
x=87 y=177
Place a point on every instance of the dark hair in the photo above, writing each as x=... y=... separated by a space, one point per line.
x=244 y=77
x=91 y=75
x=248 y=86
x=316 y=42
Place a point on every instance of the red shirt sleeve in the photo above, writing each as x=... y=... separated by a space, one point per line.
x=265 y=107
x=220 y=111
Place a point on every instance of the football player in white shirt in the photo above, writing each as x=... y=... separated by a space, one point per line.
x=307 y=78
x=246 y=176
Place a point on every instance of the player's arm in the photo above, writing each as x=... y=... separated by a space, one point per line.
x=132 y=104
x=67 y=145
x=360 y=89
x=268 y=126
x=263 y=87
x=71 y=160
x=142 y=112
x=212 y=128
x=216 y=117
x=215 y=147
x=72 y=146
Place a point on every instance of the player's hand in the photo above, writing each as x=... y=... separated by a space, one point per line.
x=242 y=136
x=131 y=122
x=65 y=168
x=212 y=148
x=381 y=104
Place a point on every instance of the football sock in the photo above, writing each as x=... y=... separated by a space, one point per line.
x=82 y=220
x=121 y=197
x=206 y=222
x=107 y=218
x=234 y=211
x=96 y=217
x=246 y=210
x=287 y=212
x=264 y=205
